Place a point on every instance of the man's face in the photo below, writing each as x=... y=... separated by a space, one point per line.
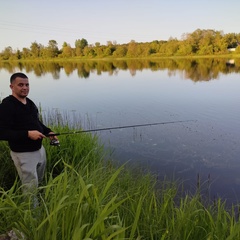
x=20 y=87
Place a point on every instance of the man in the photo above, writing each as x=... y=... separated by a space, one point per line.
x=21 y=127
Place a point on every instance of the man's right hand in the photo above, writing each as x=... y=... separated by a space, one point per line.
x=35 y=135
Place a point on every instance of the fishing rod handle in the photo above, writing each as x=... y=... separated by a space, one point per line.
x=52 y=134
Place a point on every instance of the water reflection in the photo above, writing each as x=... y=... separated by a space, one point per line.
x=203 y=69
x=115 y=93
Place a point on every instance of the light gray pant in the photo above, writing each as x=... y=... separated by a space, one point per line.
x=30 y=167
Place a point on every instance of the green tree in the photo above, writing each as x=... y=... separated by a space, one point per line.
x=18 y=54
x=97 y=44
x=35 y=50
x=121 y=51
x=7 y=53
x=193 y=39
x=81 y=43
x=170 y=48
x=132 y=49
x=219 y=43
x=185 y=48
x=107 y=52
x=154 y=47
x=67 y=51
x=99 y=50
x=26 y=53
x=89 y=51
x=53 y=48
x=111 y=47
x=231 y=40
x=78 y=52
x=206 y=43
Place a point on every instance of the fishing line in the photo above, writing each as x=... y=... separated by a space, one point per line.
x=119 y=127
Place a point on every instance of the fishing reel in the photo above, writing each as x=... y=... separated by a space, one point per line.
x=54 y=142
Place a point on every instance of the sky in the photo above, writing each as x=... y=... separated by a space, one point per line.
x=121 y=21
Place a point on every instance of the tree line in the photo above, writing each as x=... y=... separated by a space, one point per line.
x=200 y=42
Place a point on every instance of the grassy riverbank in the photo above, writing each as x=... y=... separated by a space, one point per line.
x=84 y=196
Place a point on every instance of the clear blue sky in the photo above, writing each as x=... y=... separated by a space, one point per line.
x=26 y=21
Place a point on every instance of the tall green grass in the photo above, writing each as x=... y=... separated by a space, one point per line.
x=85 y=196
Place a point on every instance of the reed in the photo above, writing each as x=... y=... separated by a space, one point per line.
x=86 y=196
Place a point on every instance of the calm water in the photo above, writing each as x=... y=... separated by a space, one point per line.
x=208 y=147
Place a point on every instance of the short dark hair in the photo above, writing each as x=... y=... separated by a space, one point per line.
x=17 y=74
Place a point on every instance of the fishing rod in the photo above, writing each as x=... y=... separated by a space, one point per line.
x=113 y=128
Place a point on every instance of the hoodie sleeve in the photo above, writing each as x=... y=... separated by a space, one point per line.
x=46 y=130
x=6 y=133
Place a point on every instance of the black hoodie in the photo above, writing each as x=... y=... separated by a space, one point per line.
x=16 y=119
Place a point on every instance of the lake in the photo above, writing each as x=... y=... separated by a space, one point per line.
x=102 y=94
